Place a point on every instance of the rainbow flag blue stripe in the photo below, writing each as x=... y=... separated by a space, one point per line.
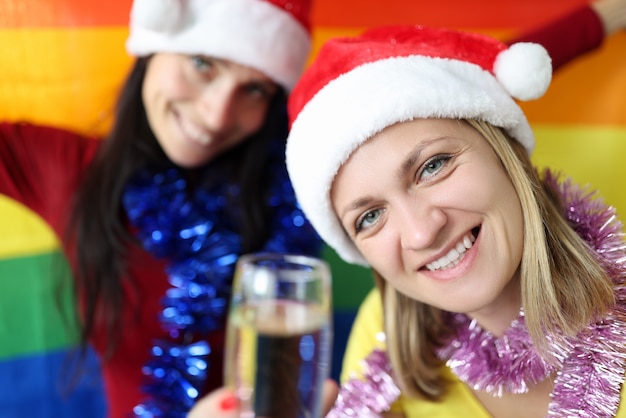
x=40 y=385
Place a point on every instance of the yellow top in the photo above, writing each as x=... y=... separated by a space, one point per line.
x=458 y=401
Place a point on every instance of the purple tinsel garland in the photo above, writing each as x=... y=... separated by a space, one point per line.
x=195 y=234
x=511 y=362
x=370 y=395
x=590 y=367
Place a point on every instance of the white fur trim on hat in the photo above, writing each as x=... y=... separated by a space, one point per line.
x=357 y=104
x=254 y=33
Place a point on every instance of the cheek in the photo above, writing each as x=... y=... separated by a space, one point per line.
x=166 y=83
x=252 y=119
x=478 y=188
x=177 y=88
x=383 y=253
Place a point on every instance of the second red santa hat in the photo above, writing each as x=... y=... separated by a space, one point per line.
x=272 y=36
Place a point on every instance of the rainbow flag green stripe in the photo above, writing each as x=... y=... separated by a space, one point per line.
x=36 y=305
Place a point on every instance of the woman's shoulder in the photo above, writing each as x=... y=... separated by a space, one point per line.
x=35 y=129
x=48 y=140
x=26 y=132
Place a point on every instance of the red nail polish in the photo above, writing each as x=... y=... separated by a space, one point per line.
x=228 y=403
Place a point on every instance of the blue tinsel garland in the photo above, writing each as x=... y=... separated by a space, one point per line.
x=197 y=237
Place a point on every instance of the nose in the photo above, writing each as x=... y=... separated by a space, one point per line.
x=217 y=106
x=419 y=225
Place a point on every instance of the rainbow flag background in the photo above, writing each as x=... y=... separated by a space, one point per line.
x=61 y=63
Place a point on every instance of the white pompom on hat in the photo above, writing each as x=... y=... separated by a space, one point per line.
x=272 y=36
x=358 y=86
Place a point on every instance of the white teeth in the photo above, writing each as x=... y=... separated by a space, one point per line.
x=203 y=139
x=454 y=256
x=194 y=132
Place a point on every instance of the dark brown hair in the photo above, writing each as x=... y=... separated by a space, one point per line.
x=98 y=229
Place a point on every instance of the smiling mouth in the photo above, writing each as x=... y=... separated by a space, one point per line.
x=456 y=254
x=192 y=131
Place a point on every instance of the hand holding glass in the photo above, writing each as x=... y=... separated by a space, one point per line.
x=279 y=335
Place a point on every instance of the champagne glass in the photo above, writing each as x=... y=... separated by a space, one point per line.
x=279 y=335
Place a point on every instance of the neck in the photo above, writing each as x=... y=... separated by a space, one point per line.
x=497 y=317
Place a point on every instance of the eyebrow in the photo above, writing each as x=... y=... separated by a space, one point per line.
x=268 y=83
x=414 y=155
x=357 y=204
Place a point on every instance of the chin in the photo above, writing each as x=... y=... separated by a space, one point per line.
x=189 y=162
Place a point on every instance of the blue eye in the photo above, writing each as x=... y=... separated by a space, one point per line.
x=258 y=91
x=201 y=63
x=368 y=219
x=433 y=166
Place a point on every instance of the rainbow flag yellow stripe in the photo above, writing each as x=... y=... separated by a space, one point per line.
x=66 y=77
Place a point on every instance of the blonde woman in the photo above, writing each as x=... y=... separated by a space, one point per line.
x=500 y=289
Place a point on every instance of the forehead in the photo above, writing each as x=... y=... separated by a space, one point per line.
x=398 y=147
x=417 y=133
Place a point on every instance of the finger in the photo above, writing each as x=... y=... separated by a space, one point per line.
x=221 y=403
x=330 y=392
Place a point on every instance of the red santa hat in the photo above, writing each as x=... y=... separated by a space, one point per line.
x=358 y=86
x=272 y=36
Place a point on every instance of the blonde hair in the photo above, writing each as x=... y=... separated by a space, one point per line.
x=563 y=286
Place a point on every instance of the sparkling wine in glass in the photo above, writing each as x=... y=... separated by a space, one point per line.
x=279 y=335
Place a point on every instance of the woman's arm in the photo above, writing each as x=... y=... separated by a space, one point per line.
x=40 y=166
x=578 y=32
x=612 y=14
